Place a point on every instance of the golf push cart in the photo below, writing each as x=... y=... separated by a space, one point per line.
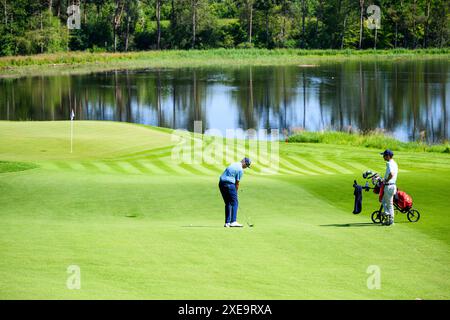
x=402 y=201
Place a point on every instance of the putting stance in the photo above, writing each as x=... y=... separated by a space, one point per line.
x=229 y=185
x=390 y=188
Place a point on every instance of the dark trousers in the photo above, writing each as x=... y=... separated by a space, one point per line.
x=229 y=195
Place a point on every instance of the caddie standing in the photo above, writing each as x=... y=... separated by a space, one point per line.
x=390 y=188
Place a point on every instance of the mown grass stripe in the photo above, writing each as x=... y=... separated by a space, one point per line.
x=157 y=167
x=331 y=170
x=296 y=173
x=128 y=167
x=291 y=166
x=258 y=168
x=144 y=153
x=282 y=167
x=217 y=168
x=303 y=163
x=147 y=156
x=77 y=166
x=358 y=166
x=63 y=165
x=161 y=155
x=151 y=167
x=167 y=159
x=104 y=168
x=168 y=169
x=196 y=152
x=268 y=171
x=241 y=150
x=288 y=168
x=255 y=167
x=191 y=168
x=335 y=166
x=90 y=166
x=139 y=167
x=205 y=168
x=114 y=166
x=198 y=168
x=178 y=169
x=261 y=169
x=295 y=167
x=284 y=171
x=49 y=165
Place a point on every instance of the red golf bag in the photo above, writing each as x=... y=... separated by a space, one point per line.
x=403 y=200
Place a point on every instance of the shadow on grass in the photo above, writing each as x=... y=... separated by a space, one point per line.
x=358 y=224
x=193 y=226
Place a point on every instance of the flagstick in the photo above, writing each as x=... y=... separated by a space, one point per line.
x=72 y=116
x=71 y=136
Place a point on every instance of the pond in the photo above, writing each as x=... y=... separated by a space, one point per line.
x=405 y=98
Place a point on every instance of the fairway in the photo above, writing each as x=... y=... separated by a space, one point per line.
x=139 y=226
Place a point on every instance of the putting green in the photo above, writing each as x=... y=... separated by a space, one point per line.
x=140 y=226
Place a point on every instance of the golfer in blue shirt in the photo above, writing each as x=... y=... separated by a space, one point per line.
x=229 y=185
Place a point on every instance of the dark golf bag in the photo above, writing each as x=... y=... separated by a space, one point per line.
x=358 y=198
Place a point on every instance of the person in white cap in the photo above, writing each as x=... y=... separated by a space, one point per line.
x=390 y=188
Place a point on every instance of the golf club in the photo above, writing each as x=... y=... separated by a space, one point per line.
x=251 y=225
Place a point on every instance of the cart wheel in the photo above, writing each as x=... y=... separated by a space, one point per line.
x=377 y=217
x=413 y=215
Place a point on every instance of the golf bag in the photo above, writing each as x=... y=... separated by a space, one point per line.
x=358 y=198
x=403 y=200
x=358 y=193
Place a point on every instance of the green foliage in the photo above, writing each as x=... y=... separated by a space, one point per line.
x=6 y=43
x=45 y=34
x=242 y=54
x=224 y=9
x=31 y=27
x=369 y=140
x=245 y=45
x=96 y=33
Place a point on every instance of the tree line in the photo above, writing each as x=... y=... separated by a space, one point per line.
x=40 y=26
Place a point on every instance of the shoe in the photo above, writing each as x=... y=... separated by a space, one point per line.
x=235 y=224
x=388 y=221
x=226 y=225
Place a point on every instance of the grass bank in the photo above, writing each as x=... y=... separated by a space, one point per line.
x=369 y=140
x=84 y=62
x=141 y=226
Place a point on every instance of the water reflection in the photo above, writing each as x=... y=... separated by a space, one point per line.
x=407 y=99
